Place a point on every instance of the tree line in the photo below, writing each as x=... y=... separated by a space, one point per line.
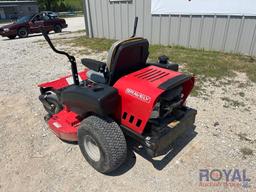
x=60 y=5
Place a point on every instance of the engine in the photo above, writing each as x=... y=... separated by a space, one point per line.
x=168 y=102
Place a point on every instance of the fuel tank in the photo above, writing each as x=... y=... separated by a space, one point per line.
x=140 y=91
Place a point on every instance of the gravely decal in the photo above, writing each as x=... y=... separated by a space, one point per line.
x=138 y=95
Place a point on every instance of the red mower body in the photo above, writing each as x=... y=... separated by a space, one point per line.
x=65 y=123
x=107 y=104
x=63 y=82
x=138 y=91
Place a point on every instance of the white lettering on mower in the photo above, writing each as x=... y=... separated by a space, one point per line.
x=70 y=80
x=138 y=95
x=57 y=125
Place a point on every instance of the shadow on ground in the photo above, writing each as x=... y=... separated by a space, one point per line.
x=172 y=151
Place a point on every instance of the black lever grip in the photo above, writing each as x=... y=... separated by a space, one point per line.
x=70 y=58
x=47 y=38
x=135 y=26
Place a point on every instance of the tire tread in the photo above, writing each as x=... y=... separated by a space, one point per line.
x=112 y=137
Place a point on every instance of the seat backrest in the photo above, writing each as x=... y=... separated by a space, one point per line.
x=126 y=57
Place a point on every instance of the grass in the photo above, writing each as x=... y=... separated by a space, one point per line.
x=76 y=14
x=241 y=94
x=80 y=31
x=233 y=103
x=96 y=44
x=243 y=137
x=5 y=21
x=246 y=151
x=199 y=62
x=207 y=63
x=76 y=4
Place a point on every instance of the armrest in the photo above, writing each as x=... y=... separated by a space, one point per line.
x=94 y=65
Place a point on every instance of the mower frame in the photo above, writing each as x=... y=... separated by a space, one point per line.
x=148 y=104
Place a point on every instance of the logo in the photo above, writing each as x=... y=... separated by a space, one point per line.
x=138 y=95
x=223 y=177
x=57 y=125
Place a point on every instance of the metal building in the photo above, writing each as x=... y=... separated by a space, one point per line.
x=114 y=19
x=15 y=9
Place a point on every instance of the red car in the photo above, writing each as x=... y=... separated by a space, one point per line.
x=32 y=24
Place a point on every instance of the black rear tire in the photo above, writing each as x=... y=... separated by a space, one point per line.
x=57 y=29
x=12 y=36
x=108 y=137
x=22 y=32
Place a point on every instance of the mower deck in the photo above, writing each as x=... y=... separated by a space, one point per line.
x=64 y=125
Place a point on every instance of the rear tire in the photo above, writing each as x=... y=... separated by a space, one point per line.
x=23 y=32
x=12 y=36
x=57 y=29
x=102 y=144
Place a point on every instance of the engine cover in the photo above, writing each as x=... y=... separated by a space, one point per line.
x=140 y=91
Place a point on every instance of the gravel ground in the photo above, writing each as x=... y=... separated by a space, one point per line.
x=34 y=159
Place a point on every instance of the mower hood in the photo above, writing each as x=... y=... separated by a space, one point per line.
x=140 y=91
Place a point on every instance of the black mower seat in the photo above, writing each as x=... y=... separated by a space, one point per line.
x=127 y=56
x=124 y=57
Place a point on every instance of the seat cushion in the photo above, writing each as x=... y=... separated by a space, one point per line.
x=96 y=76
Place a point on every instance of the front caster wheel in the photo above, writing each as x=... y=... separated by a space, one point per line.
x=54 y=106
x=102 y=144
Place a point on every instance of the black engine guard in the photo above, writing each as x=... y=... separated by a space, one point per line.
x=159 y=145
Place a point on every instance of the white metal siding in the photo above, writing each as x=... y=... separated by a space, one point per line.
x=114 y=20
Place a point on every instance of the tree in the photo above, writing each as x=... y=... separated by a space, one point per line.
x=49 y=5
x=62 y=7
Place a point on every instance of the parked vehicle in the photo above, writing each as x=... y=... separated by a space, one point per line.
x=51 y=14
x=32 y=24
x=126 y=97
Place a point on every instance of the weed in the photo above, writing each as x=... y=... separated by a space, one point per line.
x=231 y=102
x=241 y=94
x=246 y=151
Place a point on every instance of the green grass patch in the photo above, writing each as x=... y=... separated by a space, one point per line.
x=71 y=14
x=207 y=63
x=199 y=62
x=243 y=137
x=246 y=151
x=96 y=44
x=74 y=4
x=231 y=102
x=241 y=94
x=5 y=21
